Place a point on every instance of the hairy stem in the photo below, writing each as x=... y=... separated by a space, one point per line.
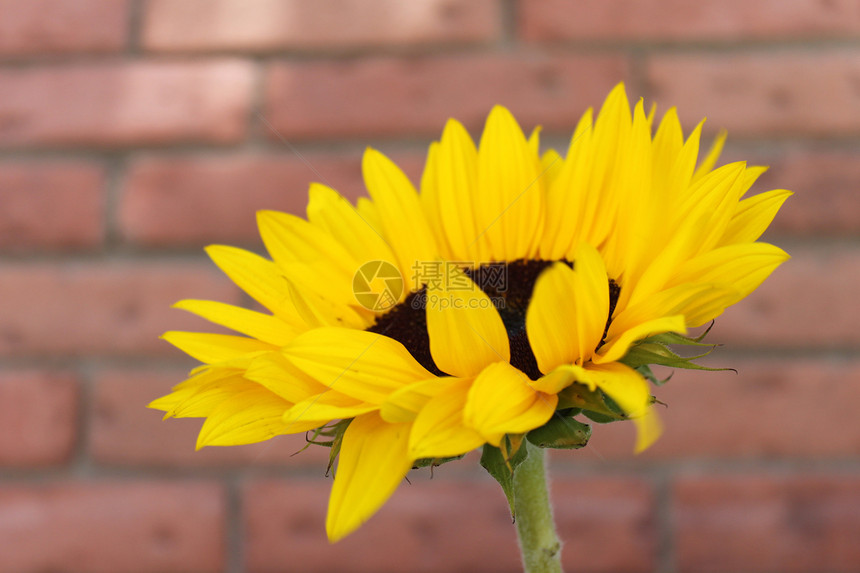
x=539 y=543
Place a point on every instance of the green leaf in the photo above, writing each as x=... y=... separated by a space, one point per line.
x=560 y=432
x=493 y=460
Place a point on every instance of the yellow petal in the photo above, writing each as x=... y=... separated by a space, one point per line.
x=429 y=198
x=451 y=179
x=370 y=214
x=404 y=404
x=753 y=216
x=168 y=402
x=439 y=431
x=668 y=142
x=289 y=238
x=611 y=130
x=671 y=183
x=550 y=165
x=557 y=380
x=213 y=348
x=624 y=249
x=696 y=227
x=329 y=211
x=264 y=327
x=502 y=401
x=680 y=175
x=742 y=266
x=373 y=461
x=308 y=256
x=568 y=311
x=361 y=364
x=510 y=189
x=711 y=204
x=652 y=112
x=202 y=402
x=616 y=347
x=314 y=310
x=401 y=217
x=534 y=140
x=324 y=408
x=246 y=418
x=751 y=175
x=698 y=302
x=277 y=374
x=713 y=155
x=258 y=277
x=466 y=332
x=630 y=391
x=673 y=163
x=569 y=205
x=198 y=396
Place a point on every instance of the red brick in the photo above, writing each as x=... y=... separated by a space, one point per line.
x=200 y=199
x=675 y=20
x=387 y=95
x=34 y=27
x=607 y=524
x=260 y=25
x=762 y=93
x=51 y=205
x=807 y=303
x=38 y=417
x=447 y=525
x=749 y=415
x=825 y=184
x=92 y=308
x=126 y=433
x=112 y=527
x=125 y=104
x=757 y=523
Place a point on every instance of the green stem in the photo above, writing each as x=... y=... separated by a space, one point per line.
x=539 y=543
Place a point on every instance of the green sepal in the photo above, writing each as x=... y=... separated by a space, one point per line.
x=647 y=353
x=510 y=447
x=335 y=432
x=594 y=404
x=562 y=432
x=434 y=462
x=649 y=375
x=601 y=418
x=502 y=468
x=675 y=338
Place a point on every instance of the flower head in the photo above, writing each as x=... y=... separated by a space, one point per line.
x=514 y=290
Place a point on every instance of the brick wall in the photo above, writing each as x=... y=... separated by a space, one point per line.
x=132 y=133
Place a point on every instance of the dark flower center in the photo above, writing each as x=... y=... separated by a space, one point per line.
x=509 y=286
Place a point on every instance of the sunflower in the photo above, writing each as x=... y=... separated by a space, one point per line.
x=513 y=289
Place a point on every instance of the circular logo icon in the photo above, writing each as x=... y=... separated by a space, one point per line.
x=377 y=285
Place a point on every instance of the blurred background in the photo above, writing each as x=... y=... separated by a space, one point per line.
x=134 y=132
